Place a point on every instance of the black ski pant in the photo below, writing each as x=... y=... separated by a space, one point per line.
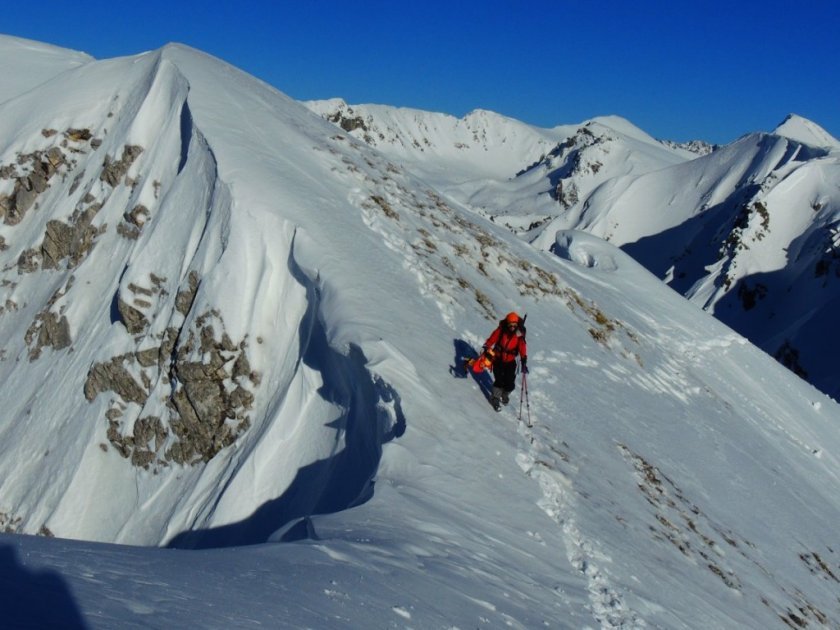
x=505 y=375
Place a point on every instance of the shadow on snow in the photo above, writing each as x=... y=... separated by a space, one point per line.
x=463 y=353
x=35 y=598
x=371 y=415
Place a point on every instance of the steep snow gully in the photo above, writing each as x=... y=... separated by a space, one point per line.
x=371 y=415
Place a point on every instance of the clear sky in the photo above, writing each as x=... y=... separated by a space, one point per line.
x=679 y=69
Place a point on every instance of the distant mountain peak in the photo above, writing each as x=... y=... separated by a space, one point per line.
x=806 y=131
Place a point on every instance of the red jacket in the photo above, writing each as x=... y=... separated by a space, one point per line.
x=507 y=344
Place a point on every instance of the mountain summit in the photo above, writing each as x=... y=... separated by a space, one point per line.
x=234 y=329
x=807 y=132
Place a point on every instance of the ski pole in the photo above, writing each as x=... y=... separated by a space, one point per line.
x=523 y=397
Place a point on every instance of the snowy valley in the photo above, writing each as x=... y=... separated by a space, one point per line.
x=230 y=343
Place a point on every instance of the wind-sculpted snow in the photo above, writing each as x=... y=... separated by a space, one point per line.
x=482 y=144
x=368 y=413
x=103 y=293
x=585 y=250
x=145 y=319
x=235 y=329
x=807 y=132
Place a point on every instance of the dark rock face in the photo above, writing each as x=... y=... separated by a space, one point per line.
x=210 y=401
x=40 y=167
x=133 y=319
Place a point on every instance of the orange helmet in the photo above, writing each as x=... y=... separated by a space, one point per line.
x=512 y=318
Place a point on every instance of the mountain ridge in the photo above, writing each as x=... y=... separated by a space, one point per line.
x=611 y=179
x=234 y=328
x=806 y=131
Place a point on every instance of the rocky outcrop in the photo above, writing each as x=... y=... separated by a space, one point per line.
x=185 y=298
x=113 y=171
x=132 y=224
x=348 y=121
x=49 y=329
x=135 y=301
x=12 y=524
x=570 y=161
x=114 y=376
x=39 y=167
x=205 y=377
x=68 y=242
x=33 y=172
x=146 y=438
x=210 y=402
x=133 y=319
x=566 y=193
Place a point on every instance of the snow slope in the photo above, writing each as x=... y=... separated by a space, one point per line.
x=736 y=229
x=243 y=341
x=807 y=132
x=481 y=145
x=518 y=175
x=28 y=64
x=747 y=233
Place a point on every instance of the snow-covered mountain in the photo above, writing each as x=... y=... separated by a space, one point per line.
x=807 y=132
x=483 y=146
x=746 y=231
x=232 y=328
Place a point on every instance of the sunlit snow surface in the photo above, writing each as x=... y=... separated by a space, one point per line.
x=747 y=231
x=674 y=476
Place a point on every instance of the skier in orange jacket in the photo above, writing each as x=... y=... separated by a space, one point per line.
x=504 y=344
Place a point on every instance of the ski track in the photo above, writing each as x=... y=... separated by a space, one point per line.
x=542 y=458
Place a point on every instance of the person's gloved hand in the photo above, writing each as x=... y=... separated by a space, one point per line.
x=524 y=365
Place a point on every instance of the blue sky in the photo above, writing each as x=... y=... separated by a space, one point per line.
x=679 y=70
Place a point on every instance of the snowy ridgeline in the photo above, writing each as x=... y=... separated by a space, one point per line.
x=232 y=327
x=747 y=231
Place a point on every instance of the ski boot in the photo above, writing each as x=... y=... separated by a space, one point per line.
x=497 y=398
